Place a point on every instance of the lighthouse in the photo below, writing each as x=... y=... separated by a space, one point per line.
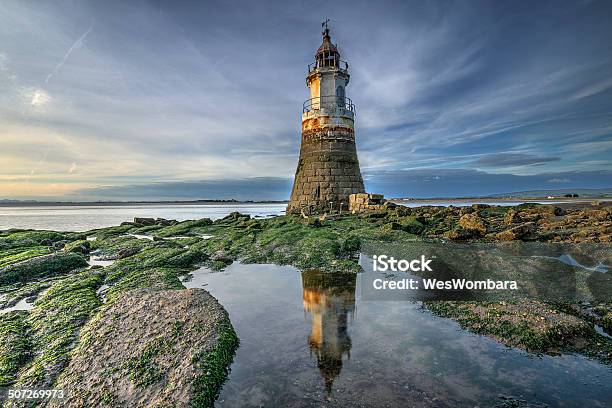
x=328 y=169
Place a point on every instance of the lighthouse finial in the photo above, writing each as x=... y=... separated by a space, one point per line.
x=326 y=31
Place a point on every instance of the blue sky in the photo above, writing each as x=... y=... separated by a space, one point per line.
x=176 y=99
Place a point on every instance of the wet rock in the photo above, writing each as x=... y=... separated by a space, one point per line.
x=473 y=223
x=466 y=210
x=459 y=234
x=81 y=247
x=125 y=223
x=127 y=252
x=510 y=402
x=512 y=217
x=143 y=222
x=233 y=216
x=42 y=266
x=151 y=348
x=164 y=222
x=222 y=258
x=528 y=324
x=600 y=215
x=57 y=245
x=411 y=225
x=524 y=231
x=557 y=211
x=392 y=226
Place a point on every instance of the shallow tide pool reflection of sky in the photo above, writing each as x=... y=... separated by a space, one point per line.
x=308 y=339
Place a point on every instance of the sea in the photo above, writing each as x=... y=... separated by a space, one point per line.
x=87 y=217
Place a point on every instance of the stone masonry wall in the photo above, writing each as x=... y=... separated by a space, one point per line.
x=367 y=202
x=328 y=171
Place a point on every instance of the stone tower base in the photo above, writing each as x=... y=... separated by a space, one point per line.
x=327 y=173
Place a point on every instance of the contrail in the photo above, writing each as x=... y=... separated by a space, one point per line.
x=77 y=44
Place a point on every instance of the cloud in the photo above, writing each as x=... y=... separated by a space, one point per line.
x=203 y=92
x=257 y=188
x=512 y=159
x=72 y=168
x=593 y=89
x=36 y=98
x=40 y=98
x=425 y=183
x=75 y=46
x=3 y=62
x=398 y=183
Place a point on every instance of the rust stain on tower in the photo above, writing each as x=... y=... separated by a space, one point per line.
x=328 y=169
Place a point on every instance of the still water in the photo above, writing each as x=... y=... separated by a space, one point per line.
x=308 y=339
x=83 y=218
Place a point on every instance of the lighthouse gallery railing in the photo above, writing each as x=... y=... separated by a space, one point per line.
x=328 y=102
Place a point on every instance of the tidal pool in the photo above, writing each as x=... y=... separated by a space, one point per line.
x=308 y=339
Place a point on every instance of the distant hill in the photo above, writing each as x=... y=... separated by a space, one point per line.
x=582 y=192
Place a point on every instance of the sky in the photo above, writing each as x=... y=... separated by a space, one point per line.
x=120 y=100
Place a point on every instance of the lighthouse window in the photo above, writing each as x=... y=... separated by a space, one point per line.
x=340 y=95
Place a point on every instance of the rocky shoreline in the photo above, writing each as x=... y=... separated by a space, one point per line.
x=131 y=325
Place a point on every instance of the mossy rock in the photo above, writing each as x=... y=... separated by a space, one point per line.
x=41 y=267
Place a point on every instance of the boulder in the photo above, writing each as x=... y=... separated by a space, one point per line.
x=164 y=222
x=465 y=210
x=524 y=231
x=459 y=234
x=143 y=222
x=57 y=245
x=222 y=257
x=473 y=223
x=151 y=349
x=512 y=217
x=80 y=247
x=127 y=252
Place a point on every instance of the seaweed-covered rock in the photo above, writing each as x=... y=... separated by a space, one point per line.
x=42 y=266
x=143 y=222
x=15 y=347
x=81 y=247
x=151 y=348
x=127 y=252
x=164 y=222
x=473 y=223
x=523 y=232
x=512 y=217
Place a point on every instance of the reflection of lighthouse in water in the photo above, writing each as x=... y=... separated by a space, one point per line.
x=329 y=299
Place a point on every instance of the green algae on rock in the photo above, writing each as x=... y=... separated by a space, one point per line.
x=41 y=267
x=55 y=321
x=528 y=324
x=69 y=320
x=15 y=345
x=174 y=349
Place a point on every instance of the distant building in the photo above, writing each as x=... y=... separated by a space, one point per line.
x=328 y=169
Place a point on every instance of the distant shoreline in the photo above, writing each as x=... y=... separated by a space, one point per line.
x=127 y=203
x=568 y=200
x=506 y=199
